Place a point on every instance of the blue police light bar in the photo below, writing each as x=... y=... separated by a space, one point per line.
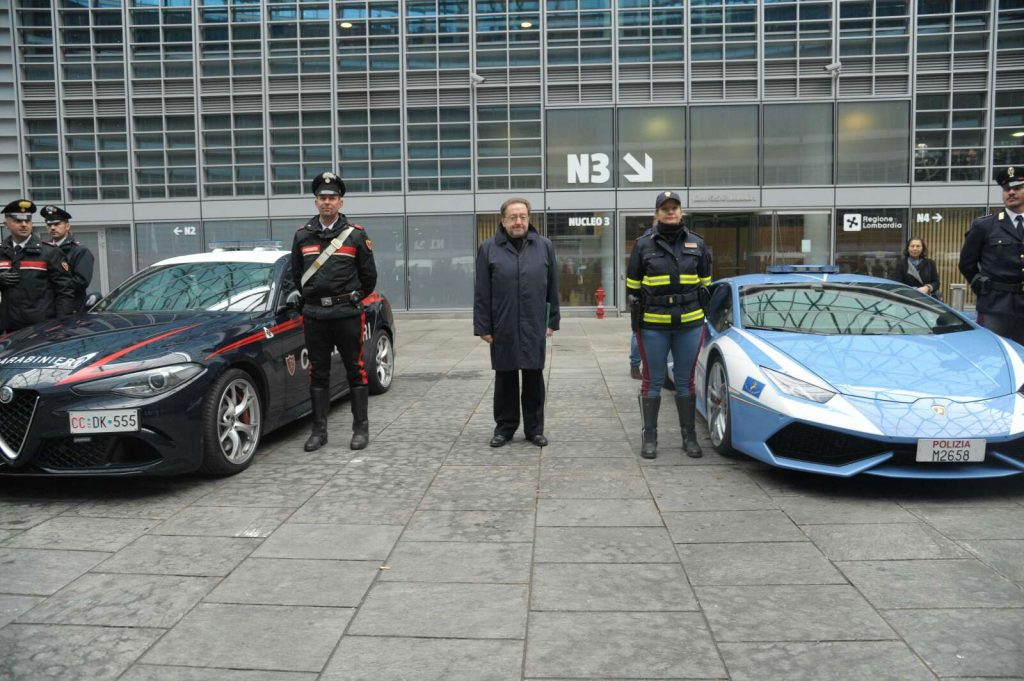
x=250 y=245
x=802 y=269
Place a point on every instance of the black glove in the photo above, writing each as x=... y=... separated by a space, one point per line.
x=9 y=279
x=355 y=298
x=981 y=285
x=636 y=313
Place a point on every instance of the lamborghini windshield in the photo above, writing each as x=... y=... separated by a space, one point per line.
x=212 y=286
x=860 y=309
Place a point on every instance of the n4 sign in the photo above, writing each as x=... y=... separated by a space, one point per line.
x=595 y=168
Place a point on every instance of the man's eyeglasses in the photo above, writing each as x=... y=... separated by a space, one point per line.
x=513 y=218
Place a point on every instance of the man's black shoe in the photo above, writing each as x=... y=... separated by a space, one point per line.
x=499 y=441
x=539 y=440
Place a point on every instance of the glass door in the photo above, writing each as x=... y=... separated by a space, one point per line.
x=740 y=243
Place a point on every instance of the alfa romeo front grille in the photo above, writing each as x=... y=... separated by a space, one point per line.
x=16 y=419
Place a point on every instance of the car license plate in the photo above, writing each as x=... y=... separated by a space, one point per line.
x=950 y=450
x=103 y=421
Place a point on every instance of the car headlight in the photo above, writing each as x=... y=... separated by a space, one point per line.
x=148 y=383
x=797 y=388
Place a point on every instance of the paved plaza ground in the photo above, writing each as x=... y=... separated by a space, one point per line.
x=432 y=557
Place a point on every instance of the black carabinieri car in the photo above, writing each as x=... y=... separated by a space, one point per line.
x=183 y=367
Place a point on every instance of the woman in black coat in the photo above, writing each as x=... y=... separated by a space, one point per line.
x=917 y=269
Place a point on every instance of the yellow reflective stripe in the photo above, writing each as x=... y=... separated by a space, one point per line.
x=705 y=281
x=657 y=318
x=660 y=280
x=688 y=279
x=632 y=283
x=691 y=316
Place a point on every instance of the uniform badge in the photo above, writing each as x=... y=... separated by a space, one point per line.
x=1010 y=171
x=329 y=176
x=289 y=363
x=369 y=245
x=24 y=205
x=64 y=264
x=689 y=244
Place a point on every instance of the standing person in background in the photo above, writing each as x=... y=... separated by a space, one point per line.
x=666 y=279
x=992 y=260
x=35 y=279
x=333 y=266
x=515 y=310
x=78 y=256
x=917 y=269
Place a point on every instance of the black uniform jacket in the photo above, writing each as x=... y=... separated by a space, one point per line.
x=81 y=260
x=46 y=289
x=667 y=271
x=992 y=260
x=515 y=299
x=926 y=268
x=350 y=268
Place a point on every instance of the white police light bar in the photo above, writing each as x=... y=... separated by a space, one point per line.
x=250 y=245
x=802 y=269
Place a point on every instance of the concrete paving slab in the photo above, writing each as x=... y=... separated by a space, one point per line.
x=43 y=572
x=13 y=606
x=707 y=527
x=814 y=510
x=621 y=645
x=290 y=495
x=280 y=581
x=223 y=521
x=334 y=542
x=21 y=515
x=879 y=541
x=64 y=653
x=757 y=563
x=467 y=562
x=603 y=545
x=378 y=658
x=194 y=556
x=149 y=672
x=268 y=637
x=975 y=523
x=845 y=661
x=597 y=513
x=495 y=611
x=961 y=642
x=594 y=587
x=932 y=584
x=482 y=488
x=588 y=449
x=470 y=526
x=555 y=486
x=82 y=534
x=1002 y=555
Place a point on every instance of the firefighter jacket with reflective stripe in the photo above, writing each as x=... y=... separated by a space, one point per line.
x=45 y=289
x=350 y=268
x=666 y=271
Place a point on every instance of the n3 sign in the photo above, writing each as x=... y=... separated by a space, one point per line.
x=588 y=168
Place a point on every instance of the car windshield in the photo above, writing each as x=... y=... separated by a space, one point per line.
x=860 y=309
x=215 y=286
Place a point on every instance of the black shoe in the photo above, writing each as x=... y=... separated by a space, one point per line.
x=539 y=440
x=499 y=440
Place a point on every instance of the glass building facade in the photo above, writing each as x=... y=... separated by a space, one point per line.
x=795 y=130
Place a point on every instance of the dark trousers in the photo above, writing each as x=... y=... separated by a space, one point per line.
x=322 y=336
x=1006 y=325
x=506 y=402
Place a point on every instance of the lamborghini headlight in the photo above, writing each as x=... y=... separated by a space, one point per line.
x=797 y=388
x=148 y=383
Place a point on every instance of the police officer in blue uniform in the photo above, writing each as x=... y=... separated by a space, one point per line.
x=58 y=223
x=667 y=277
x=333 y=267
x=992 y=260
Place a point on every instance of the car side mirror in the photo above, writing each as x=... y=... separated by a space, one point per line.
x=92 y=299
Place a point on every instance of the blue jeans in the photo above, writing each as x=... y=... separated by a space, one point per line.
x=634 y=352
x=654 y=346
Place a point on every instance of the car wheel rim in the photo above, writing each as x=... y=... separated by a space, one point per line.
x=718 y=404
x=238 y=421
x=385 y=361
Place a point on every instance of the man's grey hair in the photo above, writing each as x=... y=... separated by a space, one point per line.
x=515 y=199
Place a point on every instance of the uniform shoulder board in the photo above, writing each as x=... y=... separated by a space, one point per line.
x=645 y=235
x=359 y=227
x=312 y=221
x=695 y=234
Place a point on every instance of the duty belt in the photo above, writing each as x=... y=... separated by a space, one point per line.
x=1008 y=288
x=674 y=299
x=331 y=301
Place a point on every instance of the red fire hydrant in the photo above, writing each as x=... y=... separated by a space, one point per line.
x=599 y=294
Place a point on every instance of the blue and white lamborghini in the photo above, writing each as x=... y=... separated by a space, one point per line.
x=808 y=369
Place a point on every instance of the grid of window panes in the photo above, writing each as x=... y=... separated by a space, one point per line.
x=508 y=37
x=230 y=44
x=439 y=149
x=436 y=37
x=949 y=136
x=42 y=158
x=651 y=51
x=952 y=32
x=97 y=157
x=161 y=54
x=797 y=47
x=509 y=147
x=300 y=149
x=370 y=149
x=165 y=156
x=1008 y=126
x=874 y=47
x=579 y=51
x=233 y=154
x=723 y=50
x=298 y=41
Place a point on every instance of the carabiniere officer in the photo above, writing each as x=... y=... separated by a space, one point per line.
x=332 y=262
x=992 y=260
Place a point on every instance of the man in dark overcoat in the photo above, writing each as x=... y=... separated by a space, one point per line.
x=80 y=258
x=515 y=309
x=992 y=260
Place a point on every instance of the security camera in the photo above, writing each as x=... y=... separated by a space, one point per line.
x=476 y=78
x=834 y=68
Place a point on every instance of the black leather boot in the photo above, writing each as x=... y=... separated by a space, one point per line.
x=687 y=407
x=649 y=407
x=360 y=421
x=321 y=398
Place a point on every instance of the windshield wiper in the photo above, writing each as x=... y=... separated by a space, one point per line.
x=776 y=328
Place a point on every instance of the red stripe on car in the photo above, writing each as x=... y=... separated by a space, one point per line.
x=95 y=370
x=258 y=336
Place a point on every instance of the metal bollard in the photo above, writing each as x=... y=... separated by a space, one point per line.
x=957 y=296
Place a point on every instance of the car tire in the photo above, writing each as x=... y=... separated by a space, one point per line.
x=379 y=361
x=232 y=419
x=718 y=408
